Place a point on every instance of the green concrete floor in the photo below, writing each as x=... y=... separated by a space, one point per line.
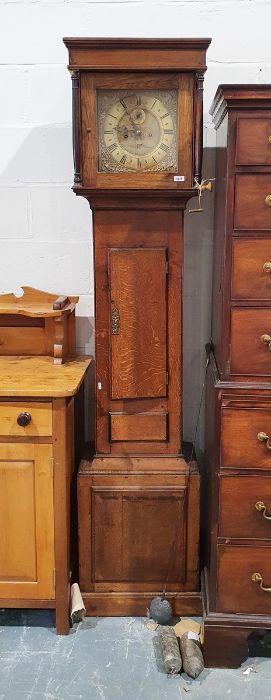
x=107 y=659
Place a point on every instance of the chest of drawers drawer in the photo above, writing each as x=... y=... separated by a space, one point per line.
x=245 y=507
x=251 y=269
x=242 y=442
x=250 y=350
x=253 y=146
x=237 y=592
x=25 y=419
x=252 y=202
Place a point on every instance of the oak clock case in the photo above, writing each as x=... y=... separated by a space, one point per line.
x=137 y=128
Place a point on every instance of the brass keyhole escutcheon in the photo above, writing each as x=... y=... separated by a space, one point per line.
x=115 y=319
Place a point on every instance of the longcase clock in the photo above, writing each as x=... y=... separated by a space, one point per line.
x=137 y=140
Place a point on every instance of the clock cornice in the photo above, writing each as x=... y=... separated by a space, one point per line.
x=126 y=54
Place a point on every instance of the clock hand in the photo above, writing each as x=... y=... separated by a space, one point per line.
x=135 y=130
x=124 y=131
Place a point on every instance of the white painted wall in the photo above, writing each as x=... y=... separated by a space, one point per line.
x=44 y=229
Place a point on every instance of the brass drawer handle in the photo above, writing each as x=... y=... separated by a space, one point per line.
x=266 y=340
x=262 y=437
x=261 y=507
x=257 y=578
x=268 y=200
x=269 y=139
x=267 y=267
x=24 y=419
x=115 y=319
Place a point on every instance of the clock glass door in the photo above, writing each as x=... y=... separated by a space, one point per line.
x=135 y=130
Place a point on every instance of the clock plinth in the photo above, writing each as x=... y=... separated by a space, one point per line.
x=137 y=148
x=138 y=532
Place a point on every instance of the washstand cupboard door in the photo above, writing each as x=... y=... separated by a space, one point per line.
x=26 y=522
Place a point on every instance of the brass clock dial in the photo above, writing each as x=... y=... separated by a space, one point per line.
x=137 y=130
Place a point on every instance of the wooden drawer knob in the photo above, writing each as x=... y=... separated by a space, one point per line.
x=24 y=419
x=267 y=267
x=257 y=578
x=263 y=437
x=266 y=340
x=268 y=200
x=261 y=508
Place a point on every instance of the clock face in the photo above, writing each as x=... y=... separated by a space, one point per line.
x=137 y=130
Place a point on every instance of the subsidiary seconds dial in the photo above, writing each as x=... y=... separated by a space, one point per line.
x=138 y=133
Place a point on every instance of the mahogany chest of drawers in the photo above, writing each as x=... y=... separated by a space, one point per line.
x=237 y=578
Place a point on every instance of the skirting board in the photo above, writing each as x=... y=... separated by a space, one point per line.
x=136 y=604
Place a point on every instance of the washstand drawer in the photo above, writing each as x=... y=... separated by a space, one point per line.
x=18 y=419
x=245 y=507
x=252 y=202
x=253 y=141
x=236 y=591
x=242 y=442
x=251 y=341
x=251 y=269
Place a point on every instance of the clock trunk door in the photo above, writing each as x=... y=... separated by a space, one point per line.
x=138 y=292
x=138 y=329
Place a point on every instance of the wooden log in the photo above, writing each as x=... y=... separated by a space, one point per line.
x=191 y=654
x=169 y=649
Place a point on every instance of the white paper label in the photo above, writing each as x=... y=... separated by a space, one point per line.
x=193 y=635
x=179 y=178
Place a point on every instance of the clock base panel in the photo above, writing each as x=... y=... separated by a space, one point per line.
x=138 y=532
